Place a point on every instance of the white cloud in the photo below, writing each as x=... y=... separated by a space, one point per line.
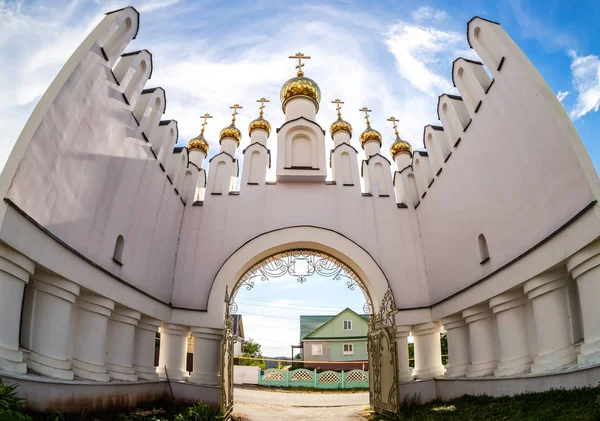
x=562 y=95
x=429 y=13
x=151 y=6
x=586 y=81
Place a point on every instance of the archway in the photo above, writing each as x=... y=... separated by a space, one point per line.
x=302 y=259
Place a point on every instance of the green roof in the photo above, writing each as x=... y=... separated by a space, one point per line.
x=308 y=324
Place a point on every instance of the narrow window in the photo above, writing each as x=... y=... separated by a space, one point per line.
x=316 y=349
x=347 y=324
x=484 y=253
x=118 y=253
x=348 y=349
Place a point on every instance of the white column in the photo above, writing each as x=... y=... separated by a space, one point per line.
x=585 y=269
x=481 y=341
x=404 y=374
x=15 y=270
x=428 y=351
x=121 y=336
x=51 y=326
x=515 y=357
x=173 y=351
x=89 y=358
x=207 y=355
x=458 y=346
x=145 y=340
x=548 y=297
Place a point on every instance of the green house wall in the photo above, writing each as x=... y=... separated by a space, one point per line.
x=334 y=328
x=336 y=351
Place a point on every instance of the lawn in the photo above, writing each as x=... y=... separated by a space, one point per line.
x=555 y=405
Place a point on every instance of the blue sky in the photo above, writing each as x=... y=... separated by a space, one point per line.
x=394 y=57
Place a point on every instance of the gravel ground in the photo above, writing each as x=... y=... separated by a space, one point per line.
x=256 y=412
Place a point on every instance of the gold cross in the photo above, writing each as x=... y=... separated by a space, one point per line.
x=205 y=117
x=235 y=107
x=366 y=111
x=337 y=101
x=300 y=56
x=394 y=120
x=262 y=103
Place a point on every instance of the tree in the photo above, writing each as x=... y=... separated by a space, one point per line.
x=251 y=349
x=444 y=343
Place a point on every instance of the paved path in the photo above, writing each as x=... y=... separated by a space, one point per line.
x=255 y=412
x=308 y=399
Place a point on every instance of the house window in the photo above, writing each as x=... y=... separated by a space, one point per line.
x=316 y=349
x=347 y=324
x=348 y=349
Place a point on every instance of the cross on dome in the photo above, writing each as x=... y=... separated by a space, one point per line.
x=206 y=116
x=338 y=108
x=394 y=120
x=262 y=104
x=235 y=108
x=300 y=65
x=366 y=111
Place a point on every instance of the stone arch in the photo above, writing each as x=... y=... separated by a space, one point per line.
x=268 y=244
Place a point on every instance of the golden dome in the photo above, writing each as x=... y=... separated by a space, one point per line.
x=300 y=86
x=400 y=146
x=370 y=134
x=231 y=131
x=259 y=123
x=198 y=143
x=338 y=125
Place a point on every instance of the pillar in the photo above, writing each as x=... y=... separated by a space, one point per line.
x=458 y=346
x=404 y=374
x=51 y=326
x=15 y=270
x=207 y=356
x=585 y=269
x=121 y=339
x=515 y=357
x=144 y=348
x=481 y=341
x=89 y=357
x=173 y=351
x=428 y=351
x=548 y=297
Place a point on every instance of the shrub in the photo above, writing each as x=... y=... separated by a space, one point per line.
x=200 y=412
x=10 y=415
x=9 y=400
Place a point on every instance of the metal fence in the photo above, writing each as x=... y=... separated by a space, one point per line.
x=352 y=379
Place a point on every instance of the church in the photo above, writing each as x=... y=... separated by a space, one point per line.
x=110 y=233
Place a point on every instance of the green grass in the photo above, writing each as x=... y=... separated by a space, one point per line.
x=554 y=405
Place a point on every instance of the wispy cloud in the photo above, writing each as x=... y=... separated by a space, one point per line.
x=586 y=81
x=562 y=95
x=429 y=13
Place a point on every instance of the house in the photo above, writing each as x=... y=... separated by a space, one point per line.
x=331 y=342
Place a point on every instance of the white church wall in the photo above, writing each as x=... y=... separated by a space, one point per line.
x=87 y=176
x=540 y=188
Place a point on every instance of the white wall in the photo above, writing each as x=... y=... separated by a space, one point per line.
x=245 y=374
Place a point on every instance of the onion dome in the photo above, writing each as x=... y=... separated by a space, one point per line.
x=259 y=123
x=230 y=131
x=400 y=146
x=340 y=124
x=370 y=134
x=198 y=143
x=300 y=86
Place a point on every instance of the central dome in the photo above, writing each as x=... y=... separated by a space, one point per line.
x=370 y=134
x=300 y=86
x=230 y=131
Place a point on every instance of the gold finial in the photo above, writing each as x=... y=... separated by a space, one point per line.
x=206 y=116
x=337 y=101
x=262 y=104
x=394 y=120
x=366 y=111
x=300 y=65
x=235 y=107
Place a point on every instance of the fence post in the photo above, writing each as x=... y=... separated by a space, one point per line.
x=287 y=378
x=343 y=380
x=315 y=378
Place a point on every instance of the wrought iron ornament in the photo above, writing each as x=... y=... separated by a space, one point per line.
x=227 y=345
x=301 y=264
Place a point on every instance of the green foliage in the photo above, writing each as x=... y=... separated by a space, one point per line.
x=411 y=355
x=200 y=412
x=444 y=343
x=252 y=348
x=11 y=415
x=9 y=400
x=556 y=405
x=56 y=416
x=144 y=415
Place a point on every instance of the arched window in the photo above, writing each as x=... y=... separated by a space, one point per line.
x=346 y=170
x=301 y=152
x=254 y=176
x=118 y=253
x=110 y=47
x=484 y=252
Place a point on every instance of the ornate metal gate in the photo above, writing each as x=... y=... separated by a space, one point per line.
x=384 y=394
x=302 y=264
x=227 y=358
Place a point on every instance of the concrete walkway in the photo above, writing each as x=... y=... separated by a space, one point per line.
x=299 y=399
